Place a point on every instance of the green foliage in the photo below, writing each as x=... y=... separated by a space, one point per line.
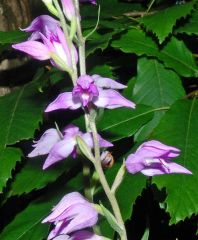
x=12 y=36
x=157 y=87
x=179 y=128
x=174 y=54
x=166 y=18
x=121 y=123
x=20 y=114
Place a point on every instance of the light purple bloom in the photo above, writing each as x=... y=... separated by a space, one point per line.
x=71 y=214
x=59 y=146
x=39 y=25
x=153 y=158
x=47 y=40
x=80 y=235
x=91 y=90
x=68 y=9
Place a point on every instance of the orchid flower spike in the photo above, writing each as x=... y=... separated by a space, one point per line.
x=94 y=90
x=59 y=146
x=153 y=158
x=71 y=214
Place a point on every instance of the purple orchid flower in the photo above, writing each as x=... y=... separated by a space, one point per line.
x=59 y=146
x=153 y=158
x=51 y=45
x=71 y=214
x=39 y=25
x=80 y=235
x=91 y=90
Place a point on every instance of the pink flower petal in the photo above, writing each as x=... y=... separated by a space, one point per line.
x=87 y=137
x=107 y=82
x=45 y=143
x=112 y=99
x=35 y=49
x=60 y=151
x=64 y=101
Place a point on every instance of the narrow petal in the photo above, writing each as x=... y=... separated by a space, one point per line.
x=68 y=8
x=35 y=49
x=172 y=168
x=45 y=143
x=64 y=101
x=112 y=99
x=60 y=151
x=107 y=82
x=71 y=130
x=87 y=137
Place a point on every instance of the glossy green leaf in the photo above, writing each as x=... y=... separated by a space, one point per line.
x=123 y=122
x=190 y=27
x=174 y=54
x=157 y=87
x=12 y=36
x=8 y=158
x=179 y=128
x=20 y=114
x=162 y=22
x=39 y=177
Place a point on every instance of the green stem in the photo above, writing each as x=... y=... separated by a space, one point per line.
x=110 y=195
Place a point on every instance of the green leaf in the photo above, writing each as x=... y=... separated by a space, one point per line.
x=39 y=177
x=98 y=41
x=190 y=27
x=111 y=219
x=123 y=122
x=162 y=22
x=179 y=128
x=157 y=87
x=8 y=158
x=12 y=36
x=174 y=54
x=20 y=113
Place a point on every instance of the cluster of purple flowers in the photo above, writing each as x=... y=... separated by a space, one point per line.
x=73 y=214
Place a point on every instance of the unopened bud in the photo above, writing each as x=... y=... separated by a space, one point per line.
x=68 y=9
x=107 y=159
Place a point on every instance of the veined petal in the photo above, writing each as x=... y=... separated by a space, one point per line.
x=87 y=137
x=107 y=82
x=45 y=143
x=85 y=216
x=67 y=201
x=60 y=151
x=111 y=99
x=64 y=101
x=156 y=145
x=35 y=49
x=63 y=237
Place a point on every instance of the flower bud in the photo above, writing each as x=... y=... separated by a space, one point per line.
x=68 y=9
